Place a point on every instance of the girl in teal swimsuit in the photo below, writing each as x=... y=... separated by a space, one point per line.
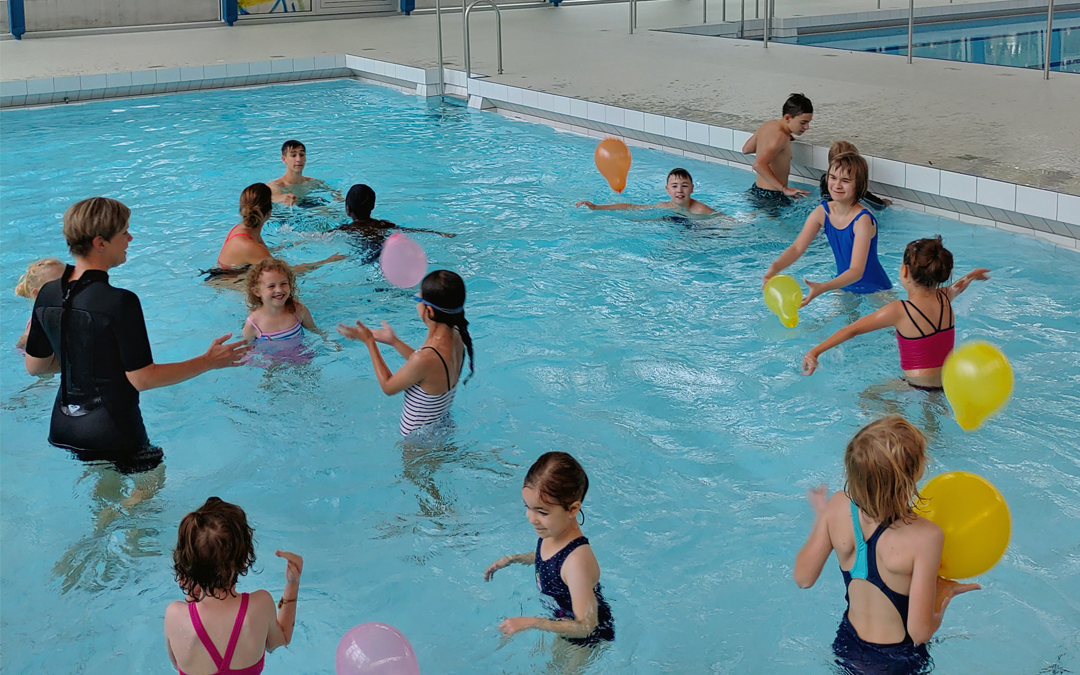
x=896 y=601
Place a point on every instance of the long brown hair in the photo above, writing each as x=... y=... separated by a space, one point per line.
x=882 y=465
x=256 y=202
x=214 y=547
x=254 y=278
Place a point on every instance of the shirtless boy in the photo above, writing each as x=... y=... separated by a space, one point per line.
x=771 y=144
x=679 y=187
x=294 y=155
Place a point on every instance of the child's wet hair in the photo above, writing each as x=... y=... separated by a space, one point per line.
x=882 y=465
x=840 y=148
x=446 y=289
x=796 y=105
x=39 y=273
x=928 y=261
x=256 y=202
x=852 y=164
x=291 y=145
x=559 y=479
x=214 y=547
x=680 y=173
x=359 y=202
x=254 y=278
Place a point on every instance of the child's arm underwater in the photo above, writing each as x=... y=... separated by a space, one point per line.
x=886 y=317
x=961 y=284
x=860 y=251
x=620 y=207
x=448 y=235
x=519 y=558
x=581 y=573
x=818 y=546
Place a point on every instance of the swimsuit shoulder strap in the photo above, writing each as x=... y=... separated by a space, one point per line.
x=858 y=570
x=235 y=637
x=233 y=235
x=568 y=549
x=944 y=297
x=825 y=205
x=204 y=638
x=922 y=333
x=261 y=333
x=441 y=359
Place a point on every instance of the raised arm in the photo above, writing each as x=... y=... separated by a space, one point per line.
x=814 y=222
x=281 y=626
x=417 y=366
x=886 y=317
x=812 y=556
x=386 y=336
x=961 y=284
x=860 y=250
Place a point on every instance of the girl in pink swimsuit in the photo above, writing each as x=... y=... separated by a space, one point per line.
x=924 y=323
x=278 y=318
x=214 y=547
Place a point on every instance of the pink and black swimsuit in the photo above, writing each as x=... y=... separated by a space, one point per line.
x=929 y=349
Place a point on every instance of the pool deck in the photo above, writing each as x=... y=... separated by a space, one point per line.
x=1006 y=124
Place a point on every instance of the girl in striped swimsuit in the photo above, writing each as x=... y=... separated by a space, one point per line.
x=278 y=318
x=430 y=375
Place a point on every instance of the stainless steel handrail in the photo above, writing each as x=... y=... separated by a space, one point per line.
x=768 y=20
x=910 y=29
x=498 y=34
x=438 y=29
x=1049 y=38
x=633 y=15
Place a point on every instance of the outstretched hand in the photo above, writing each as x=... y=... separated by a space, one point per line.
x=947 y=589
x=221 y=355
x=294 y=568
x=978 y=274
x=809 y=363
x=795 y=193
x=358 y=332
x=517 y=624
x=385 y=335
x=816 y=289
x=495 y=567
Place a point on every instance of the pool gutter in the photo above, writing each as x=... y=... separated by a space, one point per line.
x=1048 y=215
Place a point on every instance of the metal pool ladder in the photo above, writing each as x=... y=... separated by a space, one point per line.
x=498 y=35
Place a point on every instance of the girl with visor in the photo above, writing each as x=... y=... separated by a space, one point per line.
x=430 y=375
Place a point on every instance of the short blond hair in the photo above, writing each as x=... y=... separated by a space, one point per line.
x=254 y=277
x=90 y=218
x=882 y=465
x=37 y=275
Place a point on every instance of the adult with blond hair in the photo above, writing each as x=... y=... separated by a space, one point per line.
x=94 y=335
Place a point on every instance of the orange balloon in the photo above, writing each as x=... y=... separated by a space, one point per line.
x=613 y=161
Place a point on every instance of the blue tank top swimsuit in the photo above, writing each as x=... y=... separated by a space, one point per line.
x=858 y=655
x=549 y=581
x=874 y=278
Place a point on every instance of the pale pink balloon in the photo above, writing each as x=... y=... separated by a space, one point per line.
x=403 y=262
x=375 y=649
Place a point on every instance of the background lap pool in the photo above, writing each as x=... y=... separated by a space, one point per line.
x=641 y=346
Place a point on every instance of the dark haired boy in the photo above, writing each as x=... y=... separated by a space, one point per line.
x=679 y=187
x=293 y=186
x=771 y=144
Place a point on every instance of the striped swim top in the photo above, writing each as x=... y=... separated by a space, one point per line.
x=296 y=331
x=422 y=408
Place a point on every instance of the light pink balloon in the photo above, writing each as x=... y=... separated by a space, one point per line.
x=403 y=261
x=375 y=649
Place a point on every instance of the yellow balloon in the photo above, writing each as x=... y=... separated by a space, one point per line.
x=975 y=519
x=783 y=295
x=978 y=381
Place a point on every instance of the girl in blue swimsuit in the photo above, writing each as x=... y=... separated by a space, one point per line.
x=567 y=573
x=851 y=230
x=896 y=601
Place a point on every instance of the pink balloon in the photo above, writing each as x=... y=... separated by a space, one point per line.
x=375 y=649
x=403 y=261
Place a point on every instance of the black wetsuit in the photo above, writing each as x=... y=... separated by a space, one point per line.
x=99 y=335
x=870 y=200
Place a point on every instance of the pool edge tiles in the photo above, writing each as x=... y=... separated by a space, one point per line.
x=1045 y=214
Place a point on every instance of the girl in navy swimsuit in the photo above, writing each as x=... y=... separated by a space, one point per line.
x=896 y=601
x=567 y=573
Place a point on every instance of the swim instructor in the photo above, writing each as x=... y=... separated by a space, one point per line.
x=94 y=335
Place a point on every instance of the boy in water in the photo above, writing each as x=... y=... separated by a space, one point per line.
x=679 y=187
x=772 y=145
x=294 y=185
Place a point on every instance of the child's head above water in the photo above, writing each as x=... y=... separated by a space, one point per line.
x=554 y=488
x=798 y=111
x=849 y=177
x=883 y=463
x=359 y=202
x=840 y=148
x=37 y=275
x=679 y=185
x=928 y=262
x=214 y=547
x=271 y=281
x=256 y=202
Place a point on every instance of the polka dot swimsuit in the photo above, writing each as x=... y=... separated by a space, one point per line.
x=549 y=581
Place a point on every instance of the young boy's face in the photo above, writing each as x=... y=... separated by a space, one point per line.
x=294 y=159
x=799 y=124
x=679 y=189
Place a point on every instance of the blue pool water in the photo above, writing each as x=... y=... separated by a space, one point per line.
x=1004 y=41
x=640 y=346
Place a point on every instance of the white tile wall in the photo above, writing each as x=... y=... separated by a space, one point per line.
x=923 y=179
x=957 y=186
x=215 y=72
x=1068 y=209
x=697 y=132
x=886 y=171
x=1032 y=201
x=615 y=116
x=39 y=86
x=995 y=193
x=721 y=137
x=654 y=124
x=635 y=119
x=738 y=139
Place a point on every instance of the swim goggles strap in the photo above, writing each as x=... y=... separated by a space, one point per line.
x=459 y=310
